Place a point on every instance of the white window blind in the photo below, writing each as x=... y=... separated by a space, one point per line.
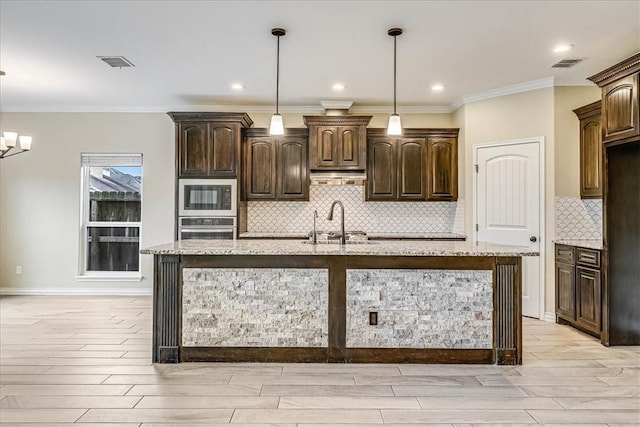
x=111 y=159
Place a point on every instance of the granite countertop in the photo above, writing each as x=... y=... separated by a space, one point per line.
x=582 y=243
x=299 y=247
x=425 y=236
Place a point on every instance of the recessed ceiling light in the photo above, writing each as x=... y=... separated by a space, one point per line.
x=237 y=86
x=339 y=87
x=562 y=48
x=437 y=87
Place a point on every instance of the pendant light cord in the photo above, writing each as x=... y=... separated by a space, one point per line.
x=394 y=74
x=278 y=76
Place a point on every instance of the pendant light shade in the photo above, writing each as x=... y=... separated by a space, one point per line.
x=277 y=125
x=395 y=125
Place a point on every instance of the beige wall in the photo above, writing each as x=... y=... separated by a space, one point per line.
x=377 y=121
x=39 y=193
x=511 y=117
x=567 y=136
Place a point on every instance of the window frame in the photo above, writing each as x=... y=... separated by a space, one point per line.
x=87 y=161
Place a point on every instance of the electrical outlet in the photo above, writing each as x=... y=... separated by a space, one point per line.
x=373 y=318
x=18 y=269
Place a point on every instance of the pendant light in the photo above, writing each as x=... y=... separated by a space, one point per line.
x=277 y=125
x=395 y=125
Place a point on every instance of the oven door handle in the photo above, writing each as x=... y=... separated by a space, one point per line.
x=207 y=230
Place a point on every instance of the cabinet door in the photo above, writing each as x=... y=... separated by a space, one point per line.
x=381 y=170
x=324 y=146
x=223 y=146
x=193 y=153
x=293 y=178
x=591 y=158
x=620 y=109
x=565 y=291
x=588 y=298
x=411 y=169
x=350 y=153
x=260 y=169
x=442 y=169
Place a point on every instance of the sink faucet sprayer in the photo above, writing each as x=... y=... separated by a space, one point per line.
x=343 y=238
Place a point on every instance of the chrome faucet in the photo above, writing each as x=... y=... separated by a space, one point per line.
x=314 y=238
x=343 y=236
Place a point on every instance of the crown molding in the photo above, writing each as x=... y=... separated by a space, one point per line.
x=502 y=91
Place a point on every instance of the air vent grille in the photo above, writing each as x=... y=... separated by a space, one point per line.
x=117 y=61
x=566 y=63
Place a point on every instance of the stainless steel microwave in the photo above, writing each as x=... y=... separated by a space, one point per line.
x=207 y=197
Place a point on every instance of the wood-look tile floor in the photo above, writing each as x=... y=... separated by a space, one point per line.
x=86 y=360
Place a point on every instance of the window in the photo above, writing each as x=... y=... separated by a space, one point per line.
x=111 y=216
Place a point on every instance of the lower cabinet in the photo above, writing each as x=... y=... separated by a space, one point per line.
x=578 y=287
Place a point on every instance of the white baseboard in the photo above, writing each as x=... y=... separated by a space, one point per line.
x=76 y=291
x=549 y=317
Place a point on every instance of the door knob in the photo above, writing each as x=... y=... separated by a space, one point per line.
x=533 y=238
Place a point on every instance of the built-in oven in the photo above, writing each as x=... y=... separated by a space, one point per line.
x=207 y=228
x=207 y=197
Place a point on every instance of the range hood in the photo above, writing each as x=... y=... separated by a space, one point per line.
x=337 y=178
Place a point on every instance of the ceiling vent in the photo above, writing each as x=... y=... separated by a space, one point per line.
x=117 y=61
x=566 y=63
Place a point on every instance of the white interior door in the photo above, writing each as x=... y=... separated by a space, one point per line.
x=508 y=207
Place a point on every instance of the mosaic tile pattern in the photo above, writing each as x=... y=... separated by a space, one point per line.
x=420 y=308
x=458 y=219
x=381 y=217
x=578 y=219
x=237 y=307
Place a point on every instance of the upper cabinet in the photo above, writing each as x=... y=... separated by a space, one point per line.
x=620 y=109
x=276 y=168
x=591 y=156
x=442 y=169
x=420 y=165
x=620 y=99
x=337 y=142
x=208 y=144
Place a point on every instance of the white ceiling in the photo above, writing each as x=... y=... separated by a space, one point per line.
x=188 y=53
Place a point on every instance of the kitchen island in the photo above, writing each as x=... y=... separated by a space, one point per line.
x=375 y=302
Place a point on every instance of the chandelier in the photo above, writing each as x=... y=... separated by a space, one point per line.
x=9 y=141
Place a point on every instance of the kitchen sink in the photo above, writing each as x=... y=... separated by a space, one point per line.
x=333 y=237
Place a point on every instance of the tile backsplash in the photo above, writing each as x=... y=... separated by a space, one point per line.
x=578 y=219
x=379 y=217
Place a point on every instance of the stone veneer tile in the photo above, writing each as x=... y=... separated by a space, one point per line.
x=236 y=307
x=379 y=217
x=420 y=308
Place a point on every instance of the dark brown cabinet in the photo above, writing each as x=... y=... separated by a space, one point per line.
x=442 y=170
x=276 y=168
x=591 y=150
x=208 y=144
x=578 y=287
x=565 y=290
x=337 y=142
x=588 y=307
x=396 y=169
x=620 y=109
x=420 y=165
